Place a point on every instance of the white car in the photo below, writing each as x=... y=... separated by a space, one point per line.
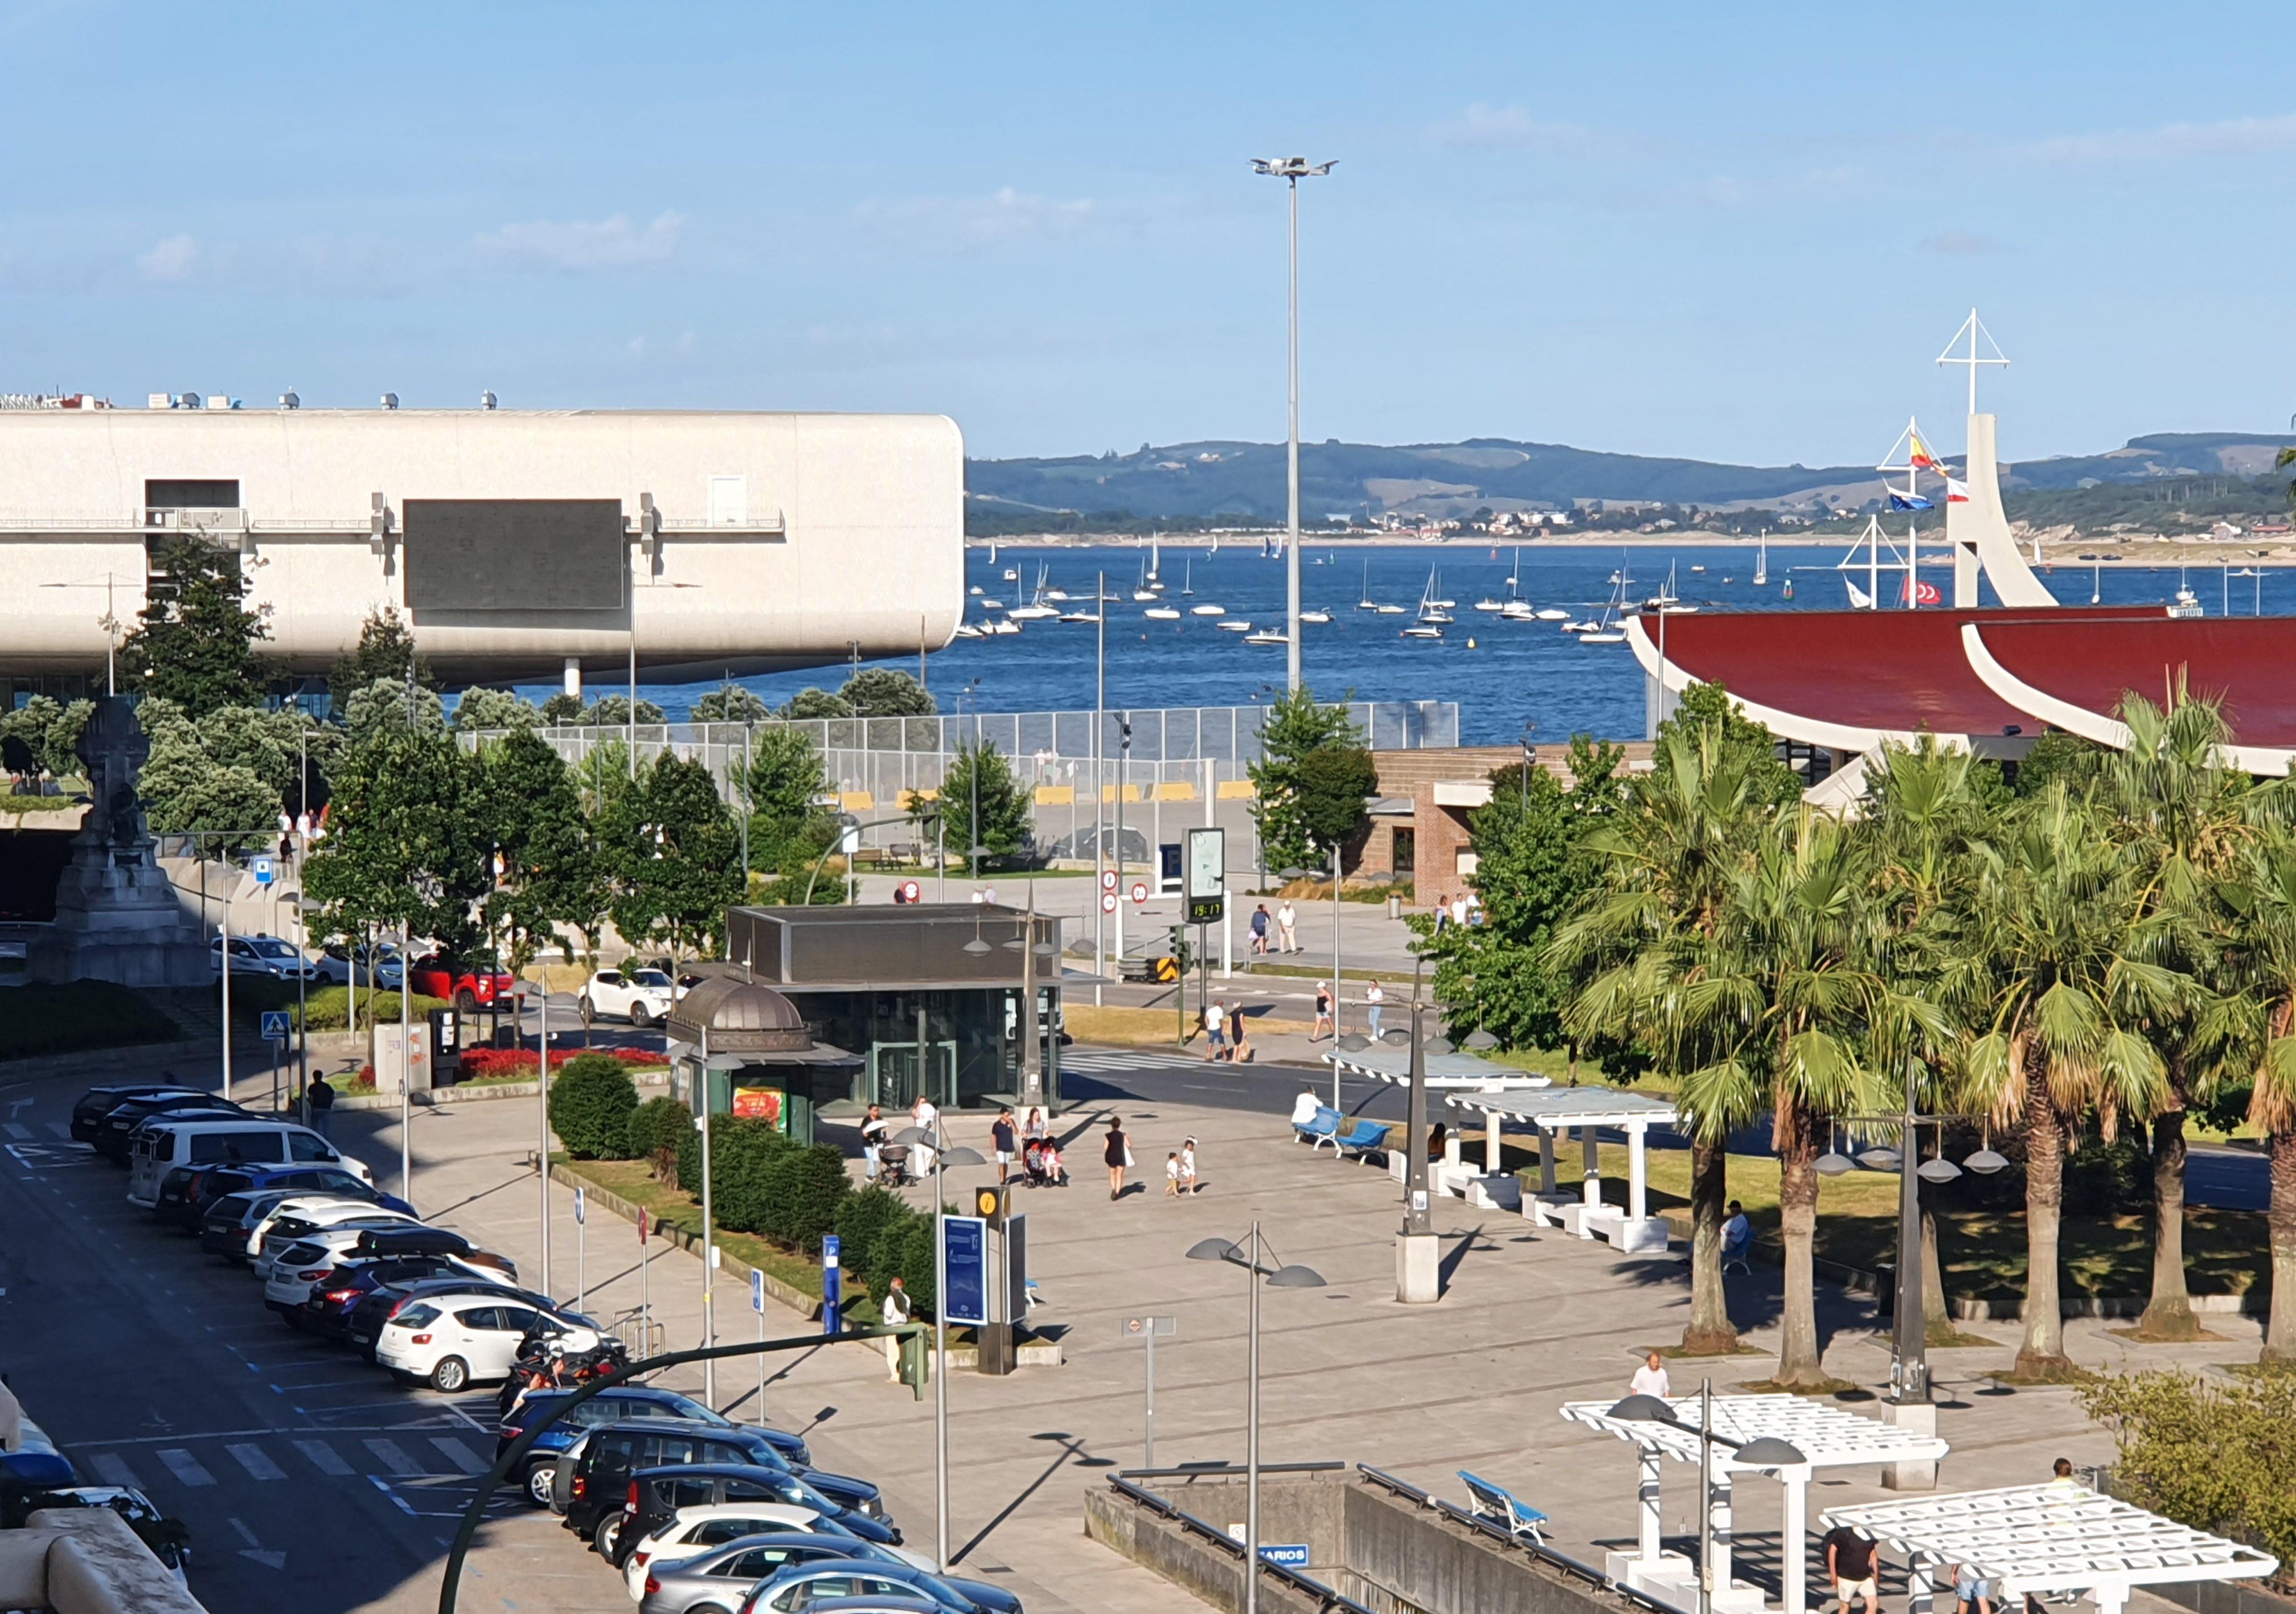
x=451 y=1340
x=277 y=1232
x=264 y=955
x=643 y=996
x=288 y=1276
x=293 y=1205
x=697 y=1529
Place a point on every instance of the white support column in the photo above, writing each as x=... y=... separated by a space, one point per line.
x=1637 y=1178
x=1590 y=1187
x=1491 y=1156
x=1917 y=1588
x=1548 y=1142
x=2111 y=1597
x=1646 y=1493
x=1793 y=1546
x=573 y=684
x=1720 y=1515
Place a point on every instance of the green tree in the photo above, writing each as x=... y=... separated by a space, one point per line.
x=592 y=1102
x=563 y=708
x=494 y=709
x=382 y=706
x=885 y=691
x=406 y=838
x=781 y=783
x=673 y=854
x=731 y=703
x=815 y=703
x=1708 y=707
x=193 y=642
x=1293 y=727
x=185 y=791
x=2054 y=756
x=385 y=652
x=60 y=738
x=548 y=868
x=613 y=712
x=985 y=803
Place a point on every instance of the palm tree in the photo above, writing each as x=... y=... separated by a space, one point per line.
x=2180 y=809
x=2058 y=970
x=1670 y=858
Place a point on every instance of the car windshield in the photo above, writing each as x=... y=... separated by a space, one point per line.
x=649 y=977
x=684 y=1406
x=271 y=947
x=417 y=1315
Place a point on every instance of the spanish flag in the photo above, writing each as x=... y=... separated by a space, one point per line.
x=1921 y=458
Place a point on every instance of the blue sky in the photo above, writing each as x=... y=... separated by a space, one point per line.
x=1728 y=232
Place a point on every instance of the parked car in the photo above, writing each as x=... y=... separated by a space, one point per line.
x=470 y=989
x=368 y=1316
x=289 y=1275
x=184 y=1201
x=285 y=1228
x=451 y=1340
x=224 y=1225
x=114 y=1137
x=641 y=997
x=699 y=1530
x=340 y=964
x=620 y=1405
x=160 y=1145
x=599 y=1505
x=600 y=1464
x=92 y=1106
x=805 y=1586
x=264 y=955
x=327 y=1311
x=715 y=1579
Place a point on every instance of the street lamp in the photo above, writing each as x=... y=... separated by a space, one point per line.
x=539 y=995
x=942 y=1156
x=1032 y=1064
x=1767 y=1451
x=1277 y=1277
x=1337 y=999
x=1292 y=170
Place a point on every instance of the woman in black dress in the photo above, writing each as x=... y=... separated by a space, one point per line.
x=1117 y=1153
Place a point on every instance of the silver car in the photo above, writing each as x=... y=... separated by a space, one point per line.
x=715 y=1581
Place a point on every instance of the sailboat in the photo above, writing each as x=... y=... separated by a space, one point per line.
x=1366 y=603
x=2097 y=587
x=1430 y=608
x=1762 y=560
x=1155 y=564
x=1666 y=599
x=2187 y=604
x=1143 y=592
x=1188 y=576
x=1215 y=549
x=1036 y=608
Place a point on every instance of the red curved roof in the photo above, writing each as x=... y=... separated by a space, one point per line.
x=1891 y=670
x=2247 y=662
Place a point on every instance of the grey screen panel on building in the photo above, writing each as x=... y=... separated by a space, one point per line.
x=516 y=554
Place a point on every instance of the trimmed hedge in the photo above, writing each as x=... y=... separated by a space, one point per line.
x=329 y=1008
x=591 y=1102
x=861 y=1215
x=803 y=1189
x=658 y=1130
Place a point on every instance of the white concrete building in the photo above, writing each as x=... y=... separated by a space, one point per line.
x=521 y=544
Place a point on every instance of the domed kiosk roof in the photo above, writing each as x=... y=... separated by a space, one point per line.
x=730 y=1015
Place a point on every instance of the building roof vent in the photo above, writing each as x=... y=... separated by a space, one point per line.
x=390 y=401
x=485 y=400
x=288 y=400
x=187 y=400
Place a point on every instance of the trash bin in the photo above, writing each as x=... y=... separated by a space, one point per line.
x=1394 y=905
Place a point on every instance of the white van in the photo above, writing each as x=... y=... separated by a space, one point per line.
x=237 y=1140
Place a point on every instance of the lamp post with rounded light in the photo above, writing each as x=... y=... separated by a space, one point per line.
x=1032 y=1062
x=1248 y=1257
x=942 y=1156
x=539 y=994
x=1292 y=170
x=1766 y=1451
x=1339 y=1000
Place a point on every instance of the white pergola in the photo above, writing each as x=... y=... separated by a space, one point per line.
x=1445 y=1072
x=1825 y=1434
x=1555 y=1111
x=2054 y=1538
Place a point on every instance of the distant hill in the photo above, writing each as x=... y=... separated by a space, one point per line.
x=1243 y=483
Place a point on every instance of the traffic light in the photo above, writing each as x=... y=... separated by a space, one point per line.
x=916 y=1363
x=991 y=1201
x=1180 y=952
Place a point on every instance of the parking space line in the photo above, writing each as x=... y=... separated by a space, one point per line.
x=461 y=1455
x=256 y=1461
x=184 y=1466
x=383 y=1486
x=388 y=1454
x=113 y=1470
x=18 y=1130
x=59 y=1129
x=323 y=1457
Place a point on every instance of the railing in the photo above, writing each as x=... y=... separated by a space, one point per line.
x=1326 y=1597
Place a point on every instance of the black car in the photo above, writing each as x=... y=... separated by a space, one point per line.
x=599 y=1475
x=335 y=1297
x=186 y=1191
x=226 y=1224
x=621 y=1404
x=88 y=1114
x=660 y=1492
x=367 y=1316
x=112 y=1138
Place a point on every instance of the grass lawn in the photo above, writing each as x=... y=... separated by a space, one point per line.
x=78 y=1015
x=1114 y=1023
x=1983 y=1252
x=673 y=1207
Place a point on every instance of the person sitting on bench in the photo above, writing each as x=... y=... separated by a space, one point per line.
x=1737 y=1238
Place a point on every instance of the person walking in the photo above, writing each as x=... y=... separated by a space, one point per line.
x=1850 y=1565
x=1323 y=1012
x=1215 y=1032
x=874 y=1130
x=1650 y=1379
x=1172 y=1174
x=1239 y=1051
x=897 y=1312
x=1259 y=923
x=1459 y=909
x=1287 y=926
x=1116 y=1154
x=1005 y=1139
x=1188 y=1184
x=1038 y=1128
x=321 y=1099
x=1373 y=1000
x=1442 y=912
x=926 y=1117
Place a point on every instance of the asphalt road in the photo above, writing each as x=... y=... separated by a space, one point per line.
x=310 y=1481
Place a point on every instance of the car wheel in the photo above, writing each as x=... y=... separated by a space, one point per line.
x=639 y=1018
x=466 y=1003
x=539 y=1477
x=607 y=1535
x=451 y=1376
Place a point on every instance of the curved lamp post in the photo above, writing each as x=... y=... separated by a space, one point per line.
x=915 y=1137
x=1248 y=1257
x=845 y=826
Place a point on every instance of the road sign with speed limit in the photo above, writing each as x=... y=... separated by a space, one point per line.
x=1108 y=902
x=1139 y=892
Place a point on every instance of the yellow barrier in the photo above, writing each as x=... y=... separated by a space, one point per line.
x=857 y=801
x=1056 y=795
x=1176 y=790
x=1238 y=789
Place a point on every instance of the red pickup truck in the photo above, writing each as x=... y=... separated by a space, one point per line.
x=470 y=989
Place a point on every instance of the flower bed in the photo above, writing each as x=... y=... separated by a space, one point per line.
x=482 y=1064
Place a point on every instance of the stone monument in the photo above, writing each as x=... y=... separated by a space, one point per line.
x=118 y=917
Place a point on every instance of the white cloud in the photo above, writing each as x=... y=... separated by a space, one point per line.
x=995 y=220
x=170 y=260
x=1960 y=243
x=1500 y=128
x=2226 y=137
x=580 y=246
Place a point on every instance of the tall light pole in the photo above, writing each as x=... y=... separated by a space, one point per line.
x=540 y=993
x=1248 y=1257
x=1292 y=170
x=943 y=1156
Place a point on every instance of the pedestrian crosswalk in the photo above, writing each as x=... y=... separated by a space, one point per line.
x=1115 y=1058
x=409 y=1456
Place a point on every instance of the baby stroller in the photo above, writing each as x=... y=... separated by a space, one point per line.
x=893 y=1167
x=1040 y=1160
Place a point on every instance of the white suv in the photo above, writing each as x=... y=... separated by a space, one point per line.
x=451 y=1340
x=265 y=955
x=645 y=996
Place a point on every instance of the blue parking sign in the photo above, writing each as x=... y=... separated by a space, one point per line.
x=264 y=870
x=275 y=1026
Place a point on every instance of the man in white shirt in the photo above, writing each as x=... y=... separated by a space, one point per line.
x=1651 y=1379
x=926 y=1119
x=896 y=1312
x=1286 y=920
x=1304 y=1108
